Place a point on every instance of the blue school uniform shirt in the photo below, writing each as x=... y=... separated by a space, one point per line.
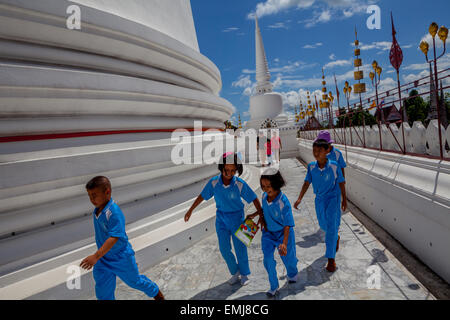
x=278 y=213
x=336 y=155
x=228 y=198
x=111 y=223
x=325 y=181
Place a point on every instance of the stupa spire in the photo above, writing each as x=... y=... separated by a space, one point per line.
x=262 y=68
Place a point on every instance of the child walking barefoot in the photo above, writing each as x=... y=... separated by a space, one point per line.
x=329 y=186
x=228 y=189
x=278 y=230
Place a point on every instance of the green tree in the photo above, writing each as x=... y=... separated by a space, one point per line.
x=416 y=108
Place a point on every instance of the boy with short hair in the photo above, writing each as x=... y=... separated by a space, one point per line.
x=115 y=256
x=328 y=183
x=336 y=155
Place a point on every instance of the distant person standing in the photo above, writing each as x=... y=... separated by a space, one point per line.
x=268 y=147
x=261 y=146
x=276 y=145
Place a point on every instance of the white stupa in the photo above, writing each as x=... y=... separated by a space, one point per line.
x=265 y=105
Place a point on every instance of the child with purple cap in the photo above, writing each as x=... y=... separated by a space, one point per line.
x=336 y=155
x=329 y=185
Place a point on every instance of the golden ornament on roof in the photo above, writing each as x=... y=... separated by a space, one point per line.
x=433 y=29
x=371 y=76
x=379 y=70
x=424 y=46
x=374 y=64
x=443 y=34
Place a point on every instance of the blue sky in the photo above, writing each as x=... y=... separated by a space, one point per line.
x=302 y=36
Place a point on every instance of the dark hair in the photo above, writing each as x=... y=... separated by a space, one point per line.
x=275 y=178
x=98 y=182
x=321 y=144
x=230 y=158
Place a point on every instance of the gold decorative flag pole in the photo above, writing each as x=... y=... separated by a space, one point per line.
x=359 y=87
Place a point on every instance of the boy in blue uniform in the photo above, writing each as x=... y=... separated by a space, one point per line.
x=278 y=232
x=336 y=155
x=329 y=184
x=115 y=256
x=228 y=189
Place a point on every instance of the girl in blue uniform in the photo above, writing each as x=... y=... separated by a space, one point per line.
x=228 y=189
x=329 y=185
x=278 y=232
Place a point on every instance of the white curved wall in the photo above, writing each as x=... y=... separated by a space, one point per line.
x=154 y=14
x=134 y=65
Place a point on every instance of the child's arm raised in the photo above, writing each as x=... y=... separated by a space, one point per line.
x=91 y=260
x=302 y=194
x=343 y=196
x=191 y=209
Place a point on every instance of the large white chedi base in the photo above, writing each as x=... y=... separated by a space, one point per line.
x=102 y=100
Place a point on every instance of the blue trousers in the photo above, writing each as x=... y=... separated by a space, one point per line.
x=227 y=223
x=269 y=243
x=125 y=267
x=328 y=210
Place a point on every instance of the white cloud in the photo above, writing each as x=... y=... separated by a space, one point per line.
x=337 y=63
x=382 y=45
x=313 y=46
x=242 y=82
x=230 y=29
x=332 y=8
x=278 y=25
x=332 y=56
x=325 y=16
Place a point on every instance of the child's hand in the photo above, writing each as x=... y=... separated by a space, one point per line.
x=187 y=216
x=283 y=249
x=297 y=203
x=262 y=222
x=344 y=204
x=251 y=216
x=88 y=262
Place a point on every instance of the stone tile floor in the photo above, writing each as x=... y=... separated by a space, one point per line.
x=200 y=273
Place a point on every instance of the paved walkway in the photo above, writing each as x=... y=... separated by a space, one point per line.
x=200 y=272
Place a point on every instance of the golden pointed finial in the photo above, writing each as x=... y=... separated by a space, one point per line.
x=240 y=123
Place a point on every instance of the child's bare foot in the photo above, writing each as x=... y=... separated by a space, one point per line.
x=337 y=245
x=331 y=266
x=159 y=296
